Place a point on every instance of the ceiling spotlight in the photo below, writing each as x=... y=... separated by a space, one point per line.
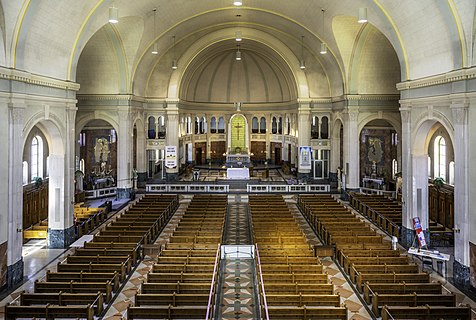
x=113 y=14
x=238 y=36
x=323 y=48
x=174 y=64
x=237 y=3
x=238 y=55
x=155 y=49
x=362 y=15
x=302 y=64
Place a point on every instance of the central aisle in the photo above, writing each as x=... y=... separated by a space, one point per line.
x=237 y=295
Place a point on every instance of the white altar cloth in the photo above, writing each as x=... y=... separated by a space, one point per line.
x=238 y=173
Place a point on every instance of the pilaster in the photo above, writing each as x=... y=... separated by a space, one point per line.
x=172 y=138
x=351 y=147
x=15 y=193
x=461 y=186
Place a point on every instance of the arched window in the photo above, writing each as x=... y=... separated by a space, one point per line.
x=288 y=125
x=274 y=126
x=451 y=173
x=197 y=125
x=189 y=125
x=314 y=126
x=36 y=156
x=25 y=172
x=203 y=125
x=440 y=157
x=162 y=129
x=213 y=125
x=280 y=125
x=151 y=128
x=262 y=125
x=254 y=125
x=394 y=167
x=325 y=128
x=221 y=125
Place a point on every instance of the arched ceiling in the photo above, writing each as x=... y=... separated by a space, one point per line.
x=49 y=37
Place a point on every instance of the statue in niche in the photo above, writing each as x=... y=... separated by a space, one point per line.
x=101 y=150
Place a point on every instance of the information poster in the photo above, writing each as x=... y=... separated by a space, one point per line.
x=305 y=155
x=419 y=232
x=170 y=157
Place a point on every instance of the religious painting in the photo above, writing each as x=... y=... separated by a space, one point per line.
x=101 y=150
x=375 y=149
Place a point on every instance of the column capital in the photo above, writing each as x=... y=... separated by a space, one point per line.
x=123 y=115
x=17 y=113
x=460 y=112
x=405 y=114
x=352 y=114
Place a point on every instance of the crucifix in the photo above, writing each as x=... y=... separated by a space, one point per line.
x=238 y=126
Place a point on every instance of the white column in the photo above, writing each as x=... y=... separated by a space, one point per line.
x=172 y=138
x=351 y=148
x=124 y=150
x=15 y=189
x=419 y=204
x=304 y=128
x=461 y=192
x=141 y=149
x=56 y=195
x=407 y=173
x=335 y=147
x=69 y=167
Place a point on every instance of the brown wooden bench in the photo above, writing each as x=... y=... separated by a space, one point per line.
x=400 y=288
x=75 y=287
x=167 y=312
x=49 y=312
x=426 y=312
x=64 y=299
x=411 y=300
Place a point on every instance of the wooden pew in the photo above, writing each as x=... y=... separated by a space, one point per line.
x=64 y=299
x=299 y=313
x=411 y=300
x=173 y=299
x=400 y=288
x=167 y=312
x=49 y=312
x=113 y=277
x=390 y=278
x=75 y=287
x=426 y=312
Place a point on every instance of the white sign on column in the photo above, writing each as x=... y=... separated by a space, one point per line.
x=170 y=157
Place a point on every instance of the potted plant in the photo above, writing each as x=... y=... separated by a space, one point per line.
x=438 y=182
x=38 y=181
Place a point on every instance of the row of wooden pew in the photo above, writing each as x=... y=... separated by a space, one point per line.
x=87 y=219
x=295 y=286
x=386 y=213
x=87 y=280
x=395 y=288
x=181 y=284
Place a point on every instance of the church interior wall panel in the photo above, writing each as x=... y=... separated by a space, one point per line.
x=258 y=149
x=35 y=204
x=472 y=257
x=3 y=264
x=200 y=152
x=217 y=149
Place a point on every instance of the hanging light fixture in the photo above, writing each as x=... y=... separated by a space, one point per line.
x=302 y=64
x=362 y=15
x=238 y=54
x=155 y=49
x=113 y=14
x=323 y=44
x=238 y=36
x=174 y=61
x=237 y=3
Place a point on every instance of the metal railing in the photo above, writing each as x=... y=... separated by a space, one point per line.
x=390 y=194
x=211 y=297
x=192 y=188
x=286 y=188
x=264 y=303
x=99 y=193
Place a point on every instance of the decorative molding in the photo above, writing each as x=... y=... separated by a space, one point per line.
x=458 y=75
x=371 y=97
x=17 y=114
x=30 y=78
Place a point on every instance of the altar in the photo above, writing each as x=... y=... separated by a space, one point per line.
x=238 y=160
x=238 y=173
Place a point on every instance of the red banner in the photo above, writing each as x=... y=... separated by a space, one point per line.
x=419 y=232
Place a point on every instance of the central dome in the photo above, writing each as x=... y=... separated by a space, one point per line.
x=220 y=78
